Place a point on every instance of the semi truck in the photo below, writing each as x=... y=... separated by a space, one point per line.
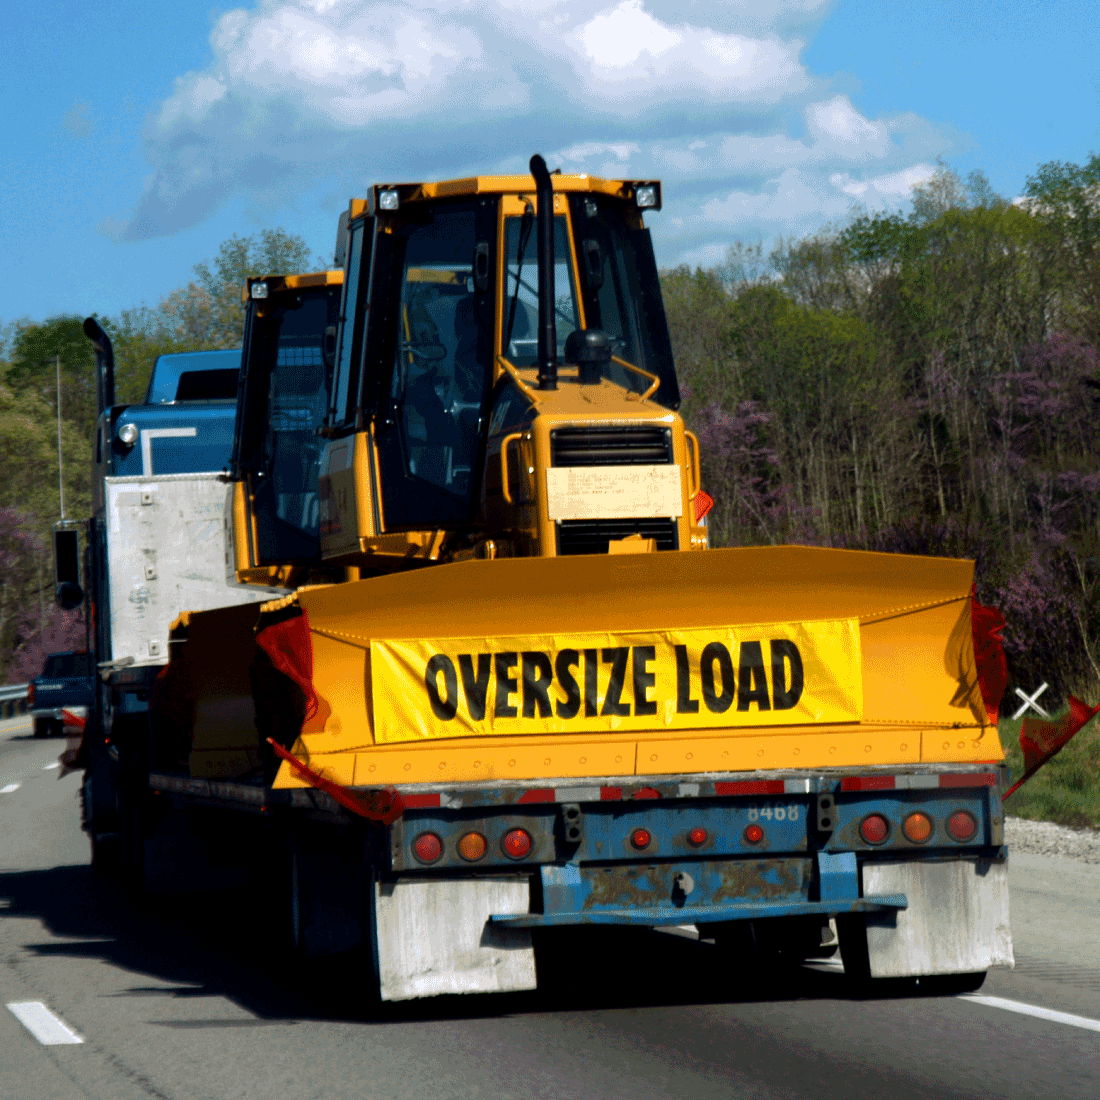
x=493 y=680
x=153 y=547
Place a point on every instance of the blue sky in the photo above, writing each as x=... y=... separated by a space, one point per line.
x=137 y=137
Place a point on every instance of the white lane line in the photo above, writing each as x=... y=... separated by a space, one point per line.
x=1034 y=1010
x=48 y=1029
x=50 y=767
x=10 y=788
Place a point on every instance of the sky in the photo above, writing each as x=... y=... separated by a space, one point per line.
x=136 y=138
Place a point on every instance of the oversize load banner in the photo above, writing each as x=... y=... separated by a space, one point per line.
x=780 y=674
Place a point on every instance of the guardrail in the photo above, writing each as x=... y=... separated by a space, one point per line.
x=13 y=700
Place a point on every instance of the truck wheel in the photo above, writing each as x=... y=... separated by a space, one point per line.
x=42 y=727
x=106 y=855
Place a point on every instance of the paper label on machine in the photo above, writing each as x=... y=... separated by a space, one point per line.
x=613 y=492
x=780 y=674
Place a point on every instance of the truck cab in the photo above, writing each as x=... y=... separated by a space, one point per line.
x=64 y=688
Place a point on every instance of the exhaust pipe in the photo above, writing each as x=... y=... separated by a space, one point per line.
x=104 y=362
x=548 y=330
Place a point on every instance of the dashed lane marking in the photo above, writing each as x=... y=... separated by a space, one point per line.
x=10 y=788
x=1034 y=1010
x=50 y=1030
x=50 y=767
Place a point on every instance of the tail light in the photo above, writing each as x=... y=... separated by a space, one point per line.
x=961 y=825
x=427 y=847
x=697 y=837
x=754 y=834
x=30 y=695
x=517 y=844
x=472 y=846
x=874 y=828
x=640 y=838
x=917 y=827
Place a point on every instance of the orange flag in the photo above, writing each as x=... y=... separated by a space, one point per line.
x=1043 y=738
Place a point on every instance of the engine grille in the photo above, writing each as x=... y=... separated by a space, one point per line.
x=591 y=536
x=644 y=446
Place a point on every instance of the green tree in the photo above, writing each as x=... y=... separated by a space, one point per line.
x=212 y=309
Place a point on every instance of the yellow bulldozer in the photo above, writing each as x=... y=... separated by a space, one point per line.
x=507 y=661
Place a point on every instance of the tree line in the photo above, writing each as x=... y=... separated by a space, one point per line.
x=924 y=384
x=920 y=383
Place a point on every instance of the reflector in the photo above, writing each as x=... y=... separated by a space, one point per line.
x=697 y=836
x=640 y=838
x=754 y=834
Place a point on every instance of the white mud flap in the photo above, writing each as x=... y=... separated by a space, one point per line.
x=434 y=937
x=957 y=920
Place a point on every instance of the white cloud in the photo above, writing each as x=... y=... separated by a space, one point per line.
x=713 y=97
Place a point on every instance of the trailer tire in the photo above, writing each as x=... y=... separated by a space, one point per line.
x=106 y=855
x=43 y=727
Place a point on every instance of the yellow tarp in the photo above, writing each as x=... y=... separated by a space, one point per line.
x=743 y=676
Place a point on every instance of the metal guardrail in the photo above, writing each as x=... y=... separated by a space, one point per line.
x=13 y=700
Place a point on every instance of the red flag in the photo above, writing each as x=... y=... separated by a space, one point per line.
x=385 y=805
x=290 y=647
x=986 y=625
x=1043 y=738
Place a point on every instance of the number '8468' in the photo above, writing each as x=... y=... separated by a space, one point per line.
x=771 y=811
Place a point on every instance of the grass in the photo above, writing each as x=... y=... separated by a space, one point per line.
x=1066 y=789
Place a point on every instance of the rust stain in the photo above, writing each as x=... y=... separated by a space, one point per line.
x=616 y=886
x=741 y=879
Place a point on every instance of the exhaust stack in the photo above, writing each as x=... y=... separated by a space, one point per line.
x=105 y=364
x=548 y=332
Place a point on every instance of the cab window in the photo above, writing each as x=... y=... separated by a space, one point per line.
x=430 y=431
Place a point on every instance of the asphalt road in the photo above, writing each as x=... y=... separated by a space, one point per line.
x=186 y=996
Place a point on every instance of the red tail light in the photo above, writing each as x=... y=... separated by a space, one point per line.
x=697 y=837
x=517 y=844
x=961 y=825
x=640 y=838
x=754 y=834
x=427 y=847
x=874 y=828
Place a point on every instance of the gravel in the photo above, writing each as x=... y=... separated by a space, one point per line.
x=1044 y=838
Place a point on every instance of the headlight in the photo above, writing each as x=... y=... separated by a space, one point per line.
x=388 y=200
x=259 y=290
x=128 y=434
x=648 y=196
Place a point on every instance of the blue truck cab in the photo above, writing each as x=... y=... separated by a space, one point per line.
x=185 y=425
x=65 y=685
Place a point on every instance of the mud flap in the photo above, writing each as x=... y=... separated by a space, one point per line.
x=956 y=922
x=434 y=937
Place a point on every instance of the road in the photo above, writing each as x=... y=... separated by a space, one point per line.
x=184 y=996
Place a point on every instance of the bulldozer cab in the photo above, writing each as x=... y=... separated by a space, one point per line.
x=440 y=355
x=282 y=401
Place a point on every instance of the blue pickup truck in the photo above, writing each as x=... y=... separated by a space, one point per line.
x=65 y=686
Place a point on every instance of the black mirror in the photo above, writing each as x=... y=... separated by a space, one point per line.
x=69 y=595
x=592 y=261
x=481 y=267
x=328 y=347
